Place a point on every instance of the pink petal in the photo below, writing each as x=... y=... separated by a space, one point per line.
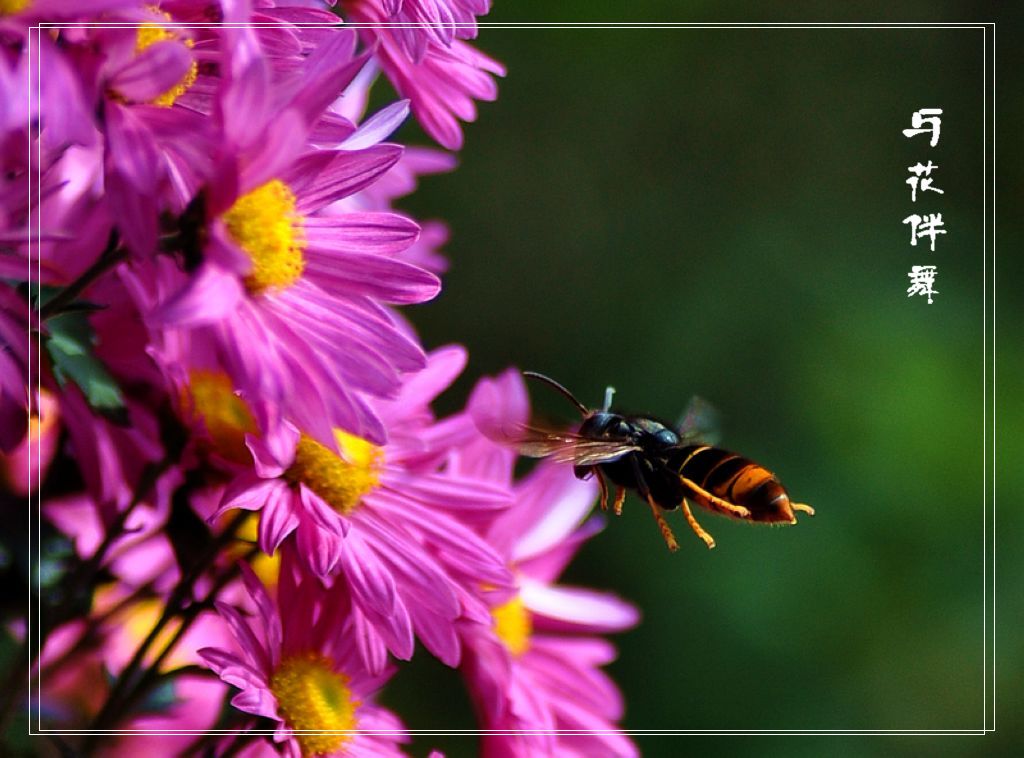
x=231 y=669
x=596 y=611
x=153 y=72
x=372 y=650
x=331 y=128
x=248 y=492
x=321 y=550
x=274 y=453
x=563 y=517
x=277 y=520
x=378 y=127
x=282 y=141
x=132 y=149
x=265 y=606
x=64 y=107
x=443 y=366
x=276 y=40
x=397 y=631
x=371 y=583
x=211 y=295
x=245 y=103
x=378 y=233
x=321 y=178
x=415 y=573
x=462 y=550
x=321 y=514
x=137 y=213
x=438 y=636
x=549 y=565
x=251 y=647
x=387 y=280
x=256 y=701
x=451 y=493
x=585 y=652
x=329 y=70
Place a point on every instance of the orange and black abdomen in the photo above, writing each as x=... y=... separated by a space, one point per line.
x=735 y=479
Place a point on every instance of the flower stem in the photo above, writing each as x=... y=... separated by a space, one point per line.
x=19 y=676
x=188 y=616
x=129 y=680
x=110 y=257
x=84 y=575
x=90 y=639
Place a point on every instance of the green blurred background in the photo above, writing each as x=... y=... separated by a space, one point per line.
x=718 y=212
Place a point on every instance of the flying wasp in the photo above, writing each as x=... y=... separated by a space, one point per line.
x=667 y=467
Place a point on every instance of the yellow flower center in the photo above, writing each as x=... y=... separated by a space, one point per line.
x=225 y=415
x=150 y=33
x=513 y=626
x=340 y=481
x=13 y=6
x=312 y=696
x=265 y=225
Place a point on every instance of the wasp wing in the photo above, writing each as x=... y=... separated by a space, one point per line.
x=699 y=423
x=570 y=447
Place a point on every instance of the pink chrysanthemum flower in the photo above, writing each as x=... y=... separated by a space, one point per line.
x=57 y=102
x=197 y=384
x=299 y=671
x=163 y=84
x=419 y=23
x=536 y=666
x=157 y=152
x=381 y=523
x=441 y=75
x=294 y=300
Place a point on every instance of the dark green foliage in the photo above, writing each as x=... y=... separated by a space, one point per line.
x=70 y=343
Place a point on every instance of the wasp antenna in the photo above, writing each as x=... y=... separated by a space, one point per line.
x=548 y=380
x=609 y=393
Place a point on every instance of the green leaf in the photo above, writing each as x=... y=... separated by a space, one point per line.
x=37 y=294
x=70 y=342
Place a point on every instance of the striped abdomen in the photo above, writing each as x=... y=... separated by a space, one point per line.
x=735 y=479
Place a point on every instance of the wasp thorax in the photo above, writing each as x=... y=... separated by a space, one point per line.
x=607 y=425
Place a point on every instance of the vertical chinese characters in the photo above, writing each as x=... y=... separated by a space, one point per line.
x=928 y=225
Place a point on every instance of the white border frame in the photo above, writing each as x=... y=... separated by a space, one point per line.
x=988 y=401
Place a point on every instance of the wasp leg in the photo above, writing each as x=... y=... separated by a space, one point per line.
x=666 y=530
x=620 y=498
x=697 y=528
x=714 y=503
x=604 y=490
x=803 y=508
